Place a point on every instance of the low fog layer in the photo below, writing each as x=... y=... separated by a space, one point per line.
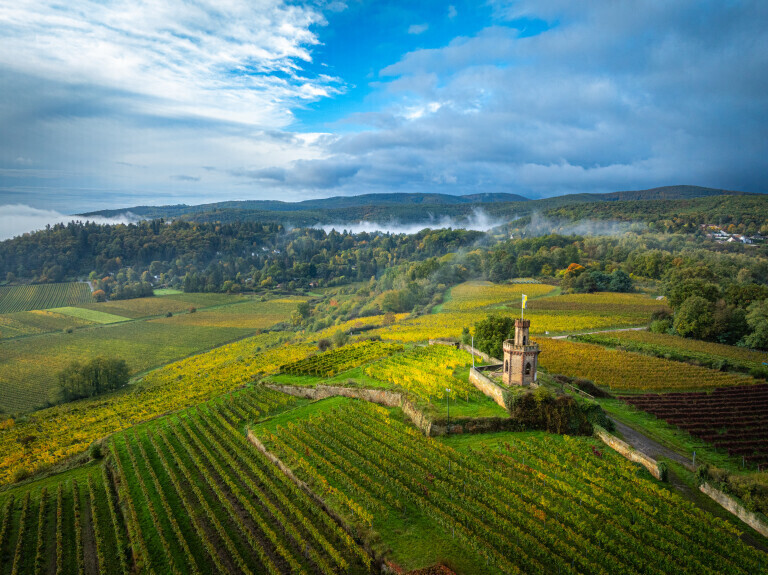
x=479 y=221
x=17 y=219
x=541 y=225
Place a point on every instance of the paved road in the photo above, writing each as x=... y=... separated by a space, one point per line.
x=602 y=331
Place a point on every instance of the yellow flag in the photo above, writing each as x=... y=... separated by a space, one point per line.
x=525 y=299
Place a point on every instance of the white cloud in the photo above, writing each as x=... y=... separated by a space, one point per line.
x=452 y=12
x=417 y=29
x=611 y=96
x=17 y=219
x=237 y=61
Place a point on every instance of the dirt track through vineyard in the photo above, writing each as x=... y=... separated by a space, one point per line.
x=656 y=450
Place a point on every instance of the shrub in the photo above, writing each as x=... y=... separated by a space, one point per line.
x=20 y=474
x=596 y=416
x=324 y=344
x=491 y=332
x=661 y=326
x=95 y=450
x=663 y=471
x=340 y=338
x=585 y=385
x=540 y=409
x=169 y=314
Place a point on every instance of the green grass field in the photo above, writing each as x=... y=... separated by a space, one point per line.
x=29 y=366
x=167 y=291
x=154 y=306
x=247 y=314
x=35 y=322
x=43 y=296
x=90 y=315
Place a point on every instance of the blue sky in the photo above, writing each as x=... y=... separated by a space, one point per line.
x=117 y=103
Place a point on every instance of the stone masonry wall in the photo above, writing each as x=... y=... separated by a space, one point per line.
x=628 y=451
x=392 y=399
x=488 y=387
x=733 y=506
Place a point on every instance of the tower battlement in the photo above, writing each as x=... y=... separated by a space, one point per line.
x=521 y=356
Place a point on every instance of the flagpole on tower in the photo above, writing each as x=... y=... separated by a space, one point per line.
x=522 y=306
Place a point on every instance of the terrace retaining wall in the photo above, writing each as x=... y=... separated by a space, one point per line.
x=629 y=452
x=427 y=426
x=733 y=506
x=487 y=386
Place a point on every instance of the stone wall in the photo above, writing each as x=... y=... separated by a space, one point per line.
x=488 y=387
x=427 y=426
x=628 y=451
x=733 y=506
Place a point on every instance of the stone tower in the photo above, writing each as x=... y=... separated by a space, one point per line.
x=521 y=356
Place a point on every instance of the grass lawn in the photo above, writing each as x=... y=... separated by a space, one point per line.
x=90 y=315
x=167 y=291
x=350 y=378
x=29 y=366
x=305 y=408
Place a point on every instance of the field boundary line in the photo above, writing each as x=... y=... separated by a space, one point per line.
x=566 y=336
x=288 y=472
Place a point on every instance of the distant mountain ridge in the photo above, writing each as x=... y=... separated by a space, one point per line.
x=668 y=193
x=334 y=202
x=395 y=204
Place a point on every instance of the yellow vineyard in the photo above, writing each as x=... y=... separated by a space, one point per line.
x=625 y=371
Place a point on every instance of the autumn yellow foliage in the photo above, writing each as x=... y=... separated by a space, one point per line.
x=626 y=371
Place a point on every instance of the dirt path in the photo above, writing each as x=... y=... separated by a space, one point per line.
x=650 y=447
x=655 y=450
x=602 y=331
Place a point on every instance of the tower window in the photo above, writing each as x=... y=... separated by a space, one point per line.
x=528 y=368
x=525 y=340
x=506 y=366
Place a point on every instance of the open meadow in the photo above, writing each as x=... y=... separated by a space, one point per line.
x=35 y=322
x=29 y=366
